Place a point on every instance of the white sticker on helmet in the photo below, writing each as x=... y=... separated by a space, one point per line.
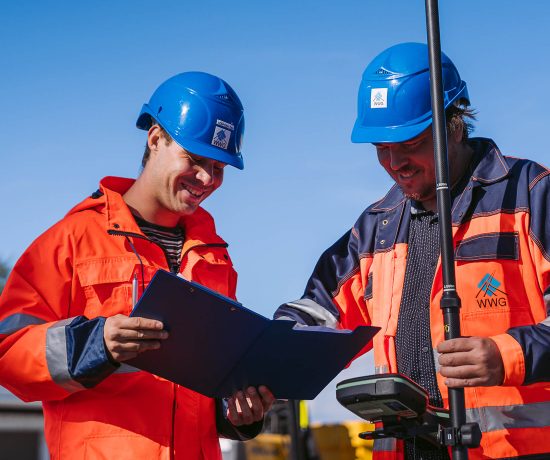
x=225 y=124
x=221 y=137
x=379 y=98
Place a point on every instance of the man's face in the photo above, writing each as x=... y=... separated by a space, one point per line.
x=182 y=180
x=411 y=165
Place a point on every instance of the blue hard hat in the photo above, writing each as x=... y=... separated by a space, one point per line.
x=202 y=113
x=394 y=102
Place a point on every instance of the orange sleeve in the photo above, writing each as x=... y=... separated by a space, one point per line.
x=34 y=307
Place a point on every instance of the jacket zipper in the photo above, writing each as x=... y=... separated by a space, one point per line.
x=173 y=431
x=143 y=237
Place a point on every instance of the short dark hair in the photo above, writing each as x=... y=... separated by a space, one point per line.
x=460 y=115
x=167 y=138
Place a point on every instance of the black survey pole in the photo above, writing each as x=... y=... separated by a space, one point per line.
x=450 y=302
x=297 y=451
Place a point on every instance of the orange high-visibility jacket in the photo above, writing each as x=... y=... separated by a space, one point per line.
x=501 y=231
x=83 y=267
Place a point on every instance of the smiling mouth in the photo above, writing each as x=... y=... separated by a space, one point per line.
x=405 y=175
x=193 y=191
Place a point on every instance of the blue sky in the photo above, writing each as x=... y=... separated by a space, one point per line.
x=75 y=74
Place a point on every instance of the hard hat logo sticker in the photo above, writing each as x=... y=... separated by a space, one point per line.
x=379 y=98
x=221 y=137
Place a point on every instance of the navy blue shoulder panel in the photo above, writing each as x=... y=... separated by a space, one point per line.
x=539 y=189
x=500 y=184
x=378 y=229
x=336 y=263
x=526 y=188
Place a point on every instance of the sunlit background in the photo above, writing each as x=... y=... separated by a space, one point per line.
x=75 y=74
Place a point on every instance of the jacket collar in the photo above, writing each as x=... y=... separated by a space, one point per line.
x=392 y=200
x=491 y=167
x=199 y=227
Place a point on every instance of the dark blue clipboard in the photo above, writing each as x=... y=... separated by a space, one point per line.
x=216 y=346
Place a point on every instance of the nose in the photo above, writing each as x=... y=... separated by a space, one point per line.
x=397 y=158
x=205 y=173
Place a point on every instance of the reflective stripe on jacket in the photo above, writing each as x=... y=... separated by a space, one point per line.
x=501 y=230
x=83 y=267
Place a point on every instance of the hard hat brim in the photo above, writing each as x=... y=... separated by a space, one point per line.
x=386 y=134
x=212 y=152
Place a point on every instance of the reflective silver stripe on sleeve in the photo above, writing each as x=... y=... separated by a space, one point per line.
x=384 y=445
x=546 y=298
x=494 y=418
x=288 y=318
x=546 y=322
x=126 y=369
x=14 y=323
x=320 y=315
x=296 y=325
x=56 y=356
x=383 y=369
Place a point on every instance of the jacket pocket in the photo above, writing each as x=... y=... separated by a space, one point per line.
x=107 y=284
x=490 y=284
x=489 y=246
x=212 y=268
x=124 y=447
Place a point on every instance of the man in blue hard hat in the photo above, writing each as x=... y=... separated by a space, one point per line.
x=65 y=330
x=386 y=270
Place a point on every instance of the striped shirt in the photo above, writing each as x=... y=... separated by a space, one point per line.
x=170 y=239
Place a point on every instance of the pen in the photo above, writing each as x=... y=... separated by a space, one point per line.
x=134 y=290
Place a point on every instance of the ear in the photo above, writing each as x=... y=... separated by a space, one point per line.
x=154 y=137
x=458 y=132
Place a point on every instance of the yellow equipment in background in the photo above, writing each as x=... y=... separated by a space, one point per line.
x=268 y=446
x=338 y=441
x=328 y=442
x=341 y=441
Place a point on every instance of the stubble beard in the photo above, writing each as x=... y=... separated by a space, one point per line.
x=414 y=196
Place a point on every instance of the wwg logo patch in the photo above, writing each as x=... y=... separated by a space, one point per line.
x=491 y=295
x=222 y=134
x=378 y=98
x=221 y=138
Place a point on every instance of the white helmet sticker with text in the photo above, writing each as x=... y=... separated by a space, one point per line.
x=379 y=98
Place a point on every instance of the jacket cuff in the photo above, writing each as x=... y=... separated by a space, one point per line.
x=87 y=359
x=229 y=431
x=247 y=432
x=512 y=358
